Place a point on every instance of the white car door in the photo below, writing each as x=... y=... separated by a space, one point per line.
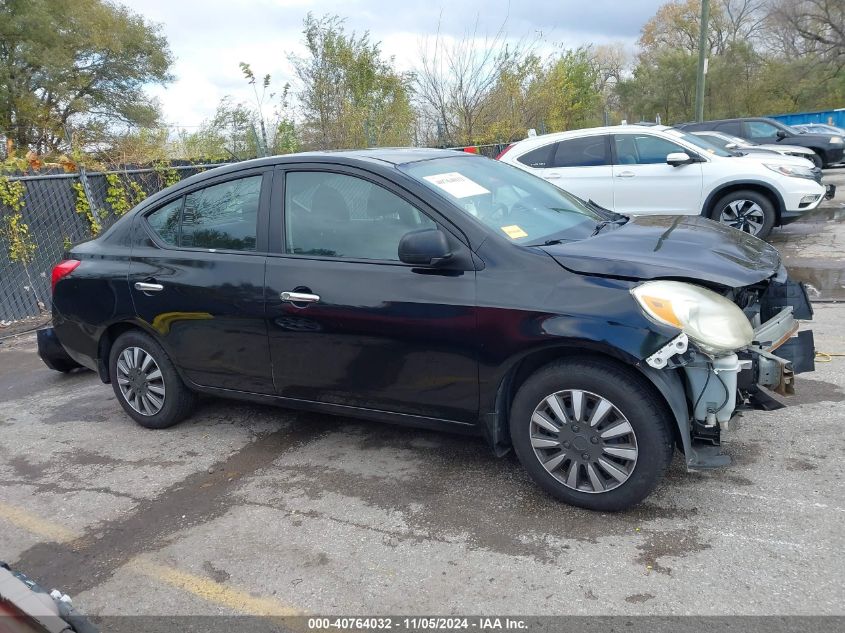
x=644 y=184
x=581 y=166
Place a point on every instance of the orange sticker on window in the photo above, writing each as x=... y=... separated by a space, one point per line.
x=514 y=231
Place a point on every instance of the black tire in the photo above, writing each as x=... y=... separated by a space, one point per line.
x=178 y=400
x=631 y=395
x=759 y=212
x=816 y=159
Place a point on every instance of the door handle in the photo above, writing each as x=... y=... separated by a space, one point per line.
x=299 y=297
x=625 y=174
x=145 y=286
x=553 y=175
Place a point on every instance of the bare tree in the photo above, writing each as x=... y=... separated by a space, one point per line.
x=743 y=20
x=812 y=27
x=455 y=79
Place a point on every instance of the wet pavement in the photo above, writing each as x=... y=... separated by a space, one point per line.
x=813 y=248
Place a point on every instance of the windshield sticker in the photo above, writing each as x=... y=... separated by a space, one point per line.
x=514 y=231
x=456 y=184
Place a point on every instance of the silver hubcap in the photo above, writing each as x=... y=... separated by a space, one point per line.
x=745 y=215
x=140 y=381
x=583 y=441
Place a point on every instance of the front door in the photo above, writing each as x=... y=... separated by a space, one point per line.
x=351 y=325
x=644 y=184
x=197 y=279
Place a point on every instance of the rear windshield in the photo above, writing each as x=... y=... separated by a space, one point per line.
x=522 y=207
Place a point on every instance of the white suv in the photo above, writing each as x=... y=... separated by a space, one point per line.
x=640 y=170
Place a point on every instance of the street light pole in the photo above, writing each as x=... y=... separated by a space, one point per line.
x=702 y=61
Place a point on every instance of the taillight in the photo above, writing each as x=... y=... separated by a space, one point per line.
x=504 y=151
x=62 y=270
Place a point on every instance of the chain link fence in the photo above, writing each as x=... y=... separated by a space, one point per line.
x=59 y=210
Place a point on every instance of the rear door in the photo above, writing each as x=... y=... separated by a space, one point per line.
x=197 y=279
x=643 y=183
x=364 y=329
x=579 y=165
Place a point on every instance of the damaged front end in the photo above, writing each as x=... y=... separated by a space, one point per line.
x=720 y=384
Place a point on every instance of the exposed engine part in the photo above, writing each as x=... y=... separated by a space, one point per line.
x=711 y=387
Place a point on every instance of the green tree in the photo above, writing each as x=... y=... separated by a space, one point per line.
x=78 y=64
x=568 y=89
x=349 y=94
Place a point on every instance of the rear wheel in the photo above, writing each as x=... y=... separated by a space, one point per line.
x=747 y=211
x=591 y=433
x=146 y=382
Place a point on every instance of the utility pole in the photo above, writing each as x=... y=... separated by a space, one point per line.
x=702 y=61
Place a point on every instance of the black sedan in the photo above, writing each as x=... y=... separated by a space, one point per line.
x=438 y=289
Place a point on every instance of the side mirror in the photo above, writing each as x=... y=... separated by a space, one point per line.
x=731 y=146
x=781 y=134
x=676 y=159
x=424 y=247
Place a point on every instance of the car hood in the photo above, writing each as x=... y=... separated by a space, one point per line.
x=777 y=158
x=671 y=246
x=786 y=148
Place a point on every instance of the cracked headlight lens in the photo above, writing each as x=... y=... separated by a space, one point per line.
x=714 y=323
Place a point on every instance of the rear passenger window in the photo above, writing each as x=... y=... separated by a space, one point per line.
x=165 y=222
x=334 y=215
x=538 y=158
x=588 y=151
x=222 y=216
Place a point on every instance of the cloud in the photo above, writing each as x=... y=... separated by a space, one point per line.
x=210 y=37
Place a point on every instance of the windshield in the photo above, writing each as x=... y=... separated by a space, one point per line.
x=716 y=140
x=522 y=207
x=701 y=143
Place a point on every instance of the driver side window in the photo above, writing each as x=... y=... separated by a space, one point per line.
x=643 y=149
x=335 y=215
x=760 y=130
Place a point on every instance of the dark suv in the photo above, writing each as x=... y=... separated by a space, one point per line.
x=828 y=147
x=439 y=289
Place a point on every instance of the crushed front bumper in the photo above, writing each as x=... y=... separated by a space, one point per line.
x=718 y=389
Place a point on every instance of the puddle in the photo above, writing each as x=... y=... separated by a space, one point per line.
x=823 y=284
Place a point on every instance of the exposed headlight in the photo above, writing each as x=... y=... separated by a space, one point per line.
x=836 y=140
x=792 y=170
x=714 y=323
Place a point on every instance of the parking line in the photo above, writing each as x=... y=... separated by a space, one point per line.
x=212 y=591
x=35 y=524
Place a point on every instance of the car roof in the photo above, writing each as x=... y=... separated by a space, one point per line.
x=542 y=139
x=385 y=158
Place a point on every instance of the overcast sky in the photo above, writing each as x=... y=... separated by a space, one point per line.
x=209 y=37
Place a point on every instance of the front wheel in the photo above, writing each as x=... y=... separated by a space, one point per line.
x=746 y=210
x=591 y=433
x=146 y=382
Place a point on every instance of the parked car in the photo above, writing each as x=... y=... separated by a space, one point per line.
x=735 y=143
x=819 y=128
x=640 y=170
x=439 y=289
x=827 y=147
